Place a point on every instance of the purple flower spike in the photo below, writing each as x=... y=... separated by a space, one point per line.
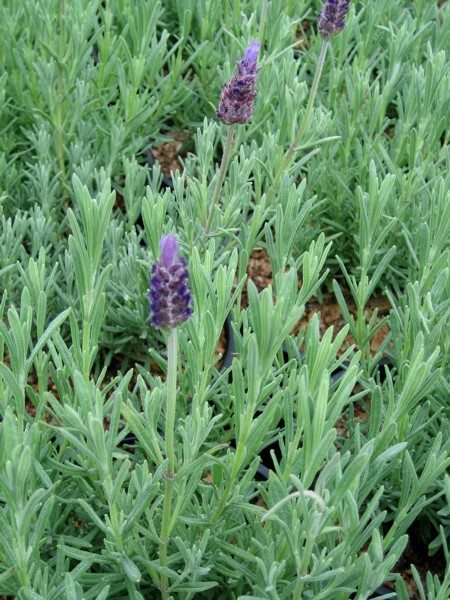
x=332 y=17
x=170 y=296
x=238 y=94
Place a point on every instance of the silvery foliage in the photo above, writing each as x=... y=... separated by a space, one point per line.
x=86 y=88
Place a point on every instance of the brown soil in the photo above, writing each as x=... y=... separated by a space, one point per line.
x=260 y=272
x=167 y=154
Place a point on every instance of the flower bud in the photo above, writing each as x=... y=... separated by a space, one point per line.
x=170 y=297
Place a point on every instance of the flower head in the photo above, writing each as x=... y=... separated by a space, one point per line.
x=332 y=17
x=238 y=94
x=170 y=296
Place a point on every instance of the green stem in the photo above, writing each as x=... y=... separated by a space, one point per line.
x=221 y=176
x=86 y=348
x=229 y=487
x=172 y=351
x=172 y=359
x=238 y=459
x=59 y=142
x=262 y=21
x=116 y=527
x=361 y=334
x=288 y=156
x=113 y=515
x=86 y=333
x=22 y=560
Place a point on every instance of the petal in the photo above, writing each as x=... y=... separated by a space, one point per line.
x=169 y=249
x=251 y=55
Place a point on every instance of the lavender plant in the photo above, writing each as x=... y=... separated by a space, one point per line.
x=133 y=463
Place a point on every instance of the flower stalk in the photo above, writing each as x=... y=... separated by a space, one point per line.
x=221 y=175
x=288 y=156
x=239 y=457
x=172 y=360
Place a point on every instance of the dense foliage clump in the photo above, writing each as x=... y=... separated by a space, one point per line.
x=135 y=460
